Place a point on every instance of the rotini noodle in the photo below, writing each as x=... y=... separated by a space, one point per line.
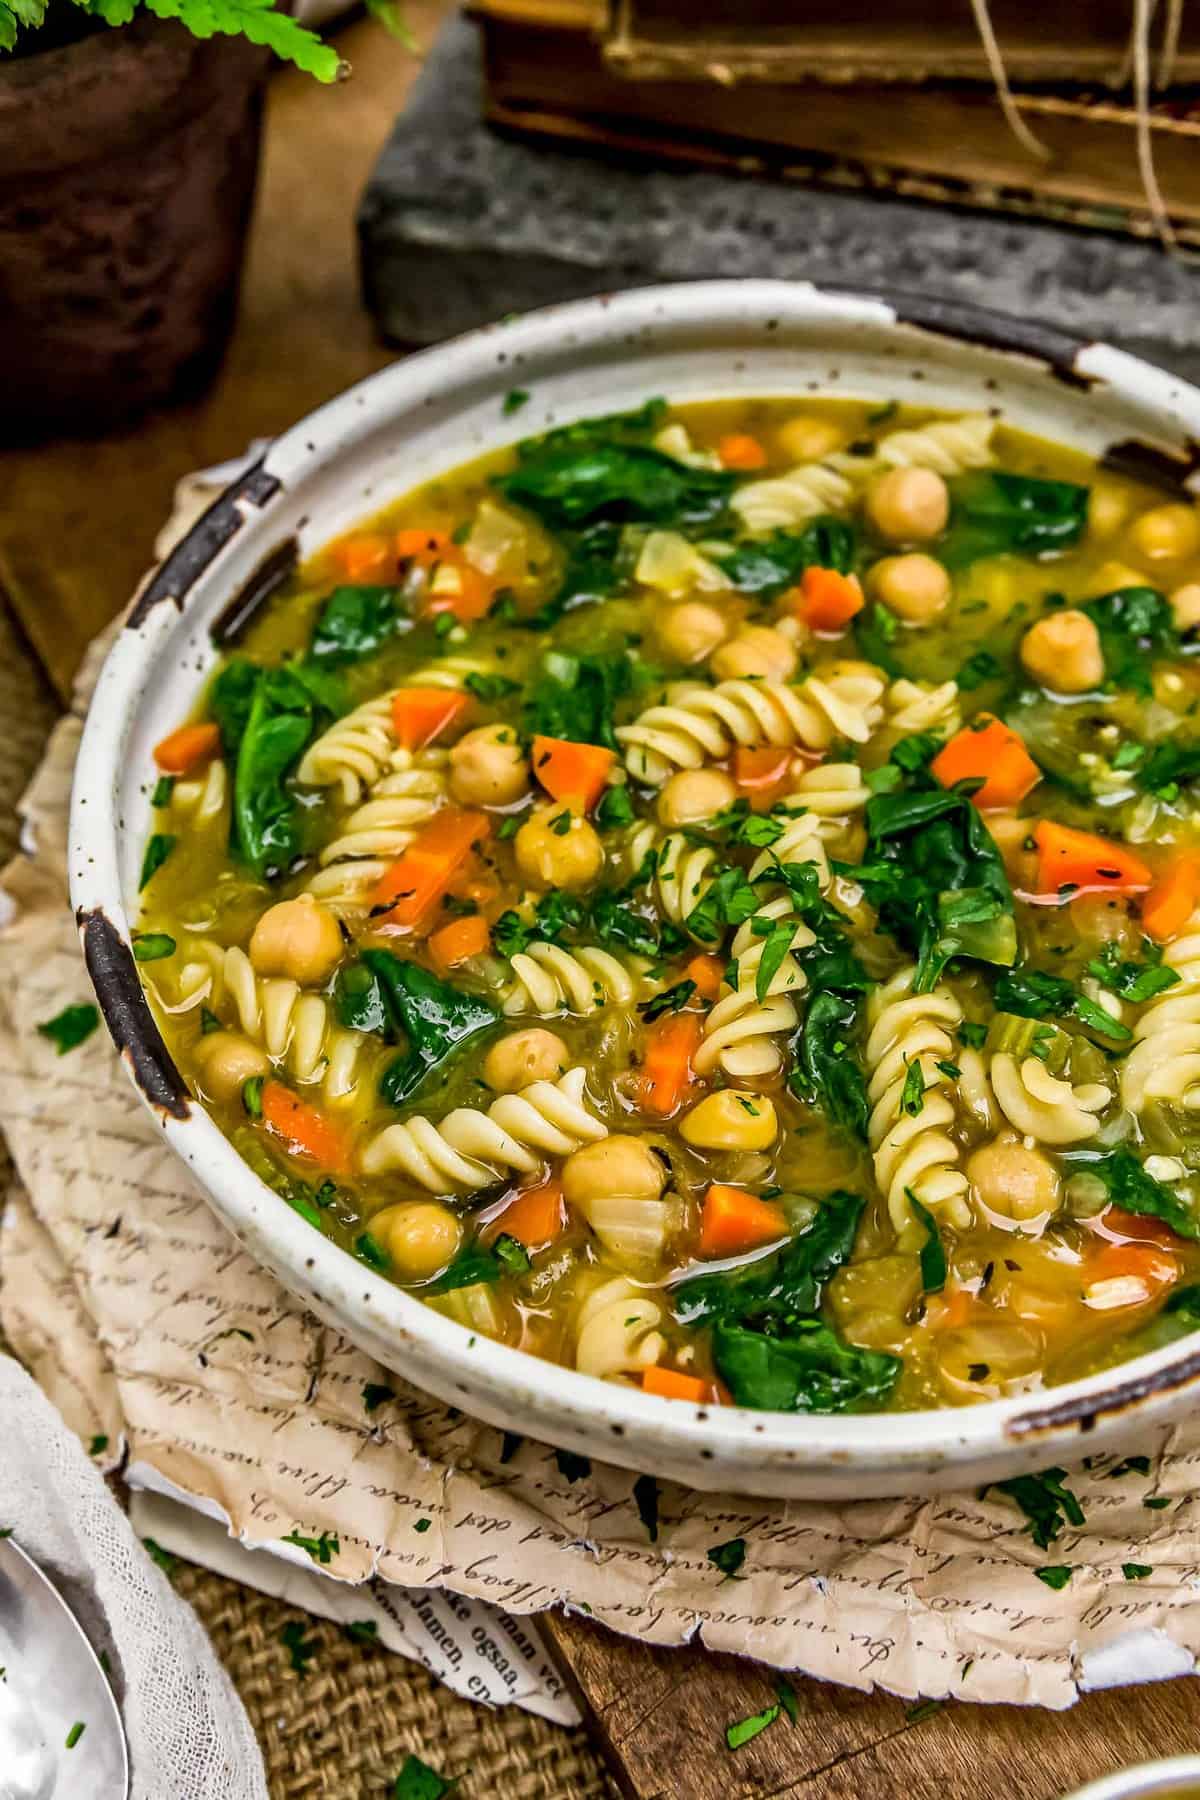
x=781 y=502
x=377 y=831
x=1164 y=1063
x=294 y=1028
x=203 y=798
x=921 y=706
x=471 y=1149
x=950 y=446
x=360 y=748
x=701 y=724
x=1043 y=1107
x=550 y=979
x=914 y=1152
x=616 y=1331
x=740 y=1031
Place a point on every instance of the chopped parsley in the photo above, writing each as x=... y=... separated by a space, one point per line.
x=1055 y=1575
x=300 y=1649
x=671 y=1000
x=76 y=1732
x=417 y=1781
x=157 y=851
x=69 y=1028
x=728 y=1557
x=1048 y=1504
x=747 y=1729
x=322 y=1549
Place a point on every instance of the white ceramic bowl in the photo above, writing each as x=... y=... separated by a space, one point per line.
x=394 y=431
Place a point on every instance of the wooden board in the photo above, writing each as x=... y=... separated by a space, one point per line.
x=660 y=1716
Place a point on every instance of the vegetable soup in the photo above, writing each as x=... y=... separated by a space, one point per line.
x=711 y=897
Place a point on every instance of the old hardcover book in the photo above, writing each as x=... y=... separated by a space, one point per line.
x=550 y=69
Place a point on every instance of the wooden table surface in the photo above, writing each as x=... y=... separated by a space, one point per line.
x=77 y=525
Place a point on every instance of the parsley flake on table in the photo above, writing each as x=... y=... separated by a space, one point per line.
x=69 y=1028
x=300 y=1649
x=417 y=1781
x=747 y=1729
x=322 y=1549
x=728 y=1557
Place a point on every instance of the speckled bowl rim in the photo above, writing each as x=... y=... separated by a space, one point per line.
x=728 y=1447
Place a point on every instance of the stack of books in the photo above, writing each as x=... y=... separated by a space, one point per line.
x=851 y=94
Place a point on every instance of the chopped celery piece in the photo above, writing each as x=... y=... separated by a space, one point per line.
x=1011 y=1035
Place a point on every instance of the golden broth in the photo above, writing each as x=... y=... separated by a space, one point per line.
x=1029 y=1294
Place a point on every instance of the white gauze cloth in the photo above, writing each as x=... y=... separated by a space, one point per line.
x=188 y=1734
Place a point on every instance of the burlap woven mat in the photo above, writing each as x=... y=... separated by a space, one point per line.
x=342 y=1728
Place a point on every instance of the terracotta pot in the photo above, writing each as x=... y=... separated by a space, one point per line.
x=127 y=169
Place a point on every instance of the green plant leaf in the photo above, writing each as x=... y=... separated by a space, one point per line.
x=391 y=16
x=258 y=21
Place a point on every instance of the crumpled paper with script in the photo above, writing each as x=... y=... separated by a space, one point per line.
x=146 y=1323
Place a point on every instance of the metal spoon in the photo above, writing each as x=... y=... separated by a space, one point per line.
x=51 y=1683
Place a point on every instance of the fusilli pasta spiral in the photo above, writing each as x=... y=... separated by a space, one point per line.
x=921 y=706
x=616 y=1331
x=378 y=830
x=740 y=1030
x=293 y=1027
x=1164 y=1063
x=949 y=446
x=550 y=979
x=471 y=1149
x=360 y=748
x=781 y=502
x=698 y=724
x=832 y=793
x=1044 y=1107
x=202 y=798
x=914 y=1151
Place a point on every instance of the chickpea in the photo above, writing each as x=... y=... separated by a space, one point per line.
x=552 y=854
x=522 y=1057
x=617 y=1165
x=1062 y=652
x=488 y=767
x=299 y=939
x=1011 y=1179
x=808 y=439
x=690 y=632
x=1185 y=606
x=909 y=505
x=731 y=1121
x=1167 y=533
x=756 y=650
x=695 y=794
x=1110 y=576
x=1108 y=509
x=420 y=1237
x=916 y=587
x=227 y=1061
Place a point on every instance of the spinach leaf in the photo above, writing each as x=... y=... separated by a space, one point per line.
x=266 y=826
x=730 y=900
x=933 y=1251
x=994 y=512
x=435 y=1018
x=1135 y=981
x=566 y=485
x=937 y=879
x=506 y=1257
x=1168 y=768
x=1134 y=1191
x=1135 y=625
x=353 y=623
x=822 y=1066
x=875 y=631
x=573 y=697
x=1034 y=995
x=771 y=565
x=786 y=1288
x=618 y=924
x=69 y=1028
x=810 y=1371
x=230 y=700
x=635 y=427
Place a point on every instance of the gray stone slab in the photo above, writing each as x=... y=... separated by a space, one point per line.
x=460 y=225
